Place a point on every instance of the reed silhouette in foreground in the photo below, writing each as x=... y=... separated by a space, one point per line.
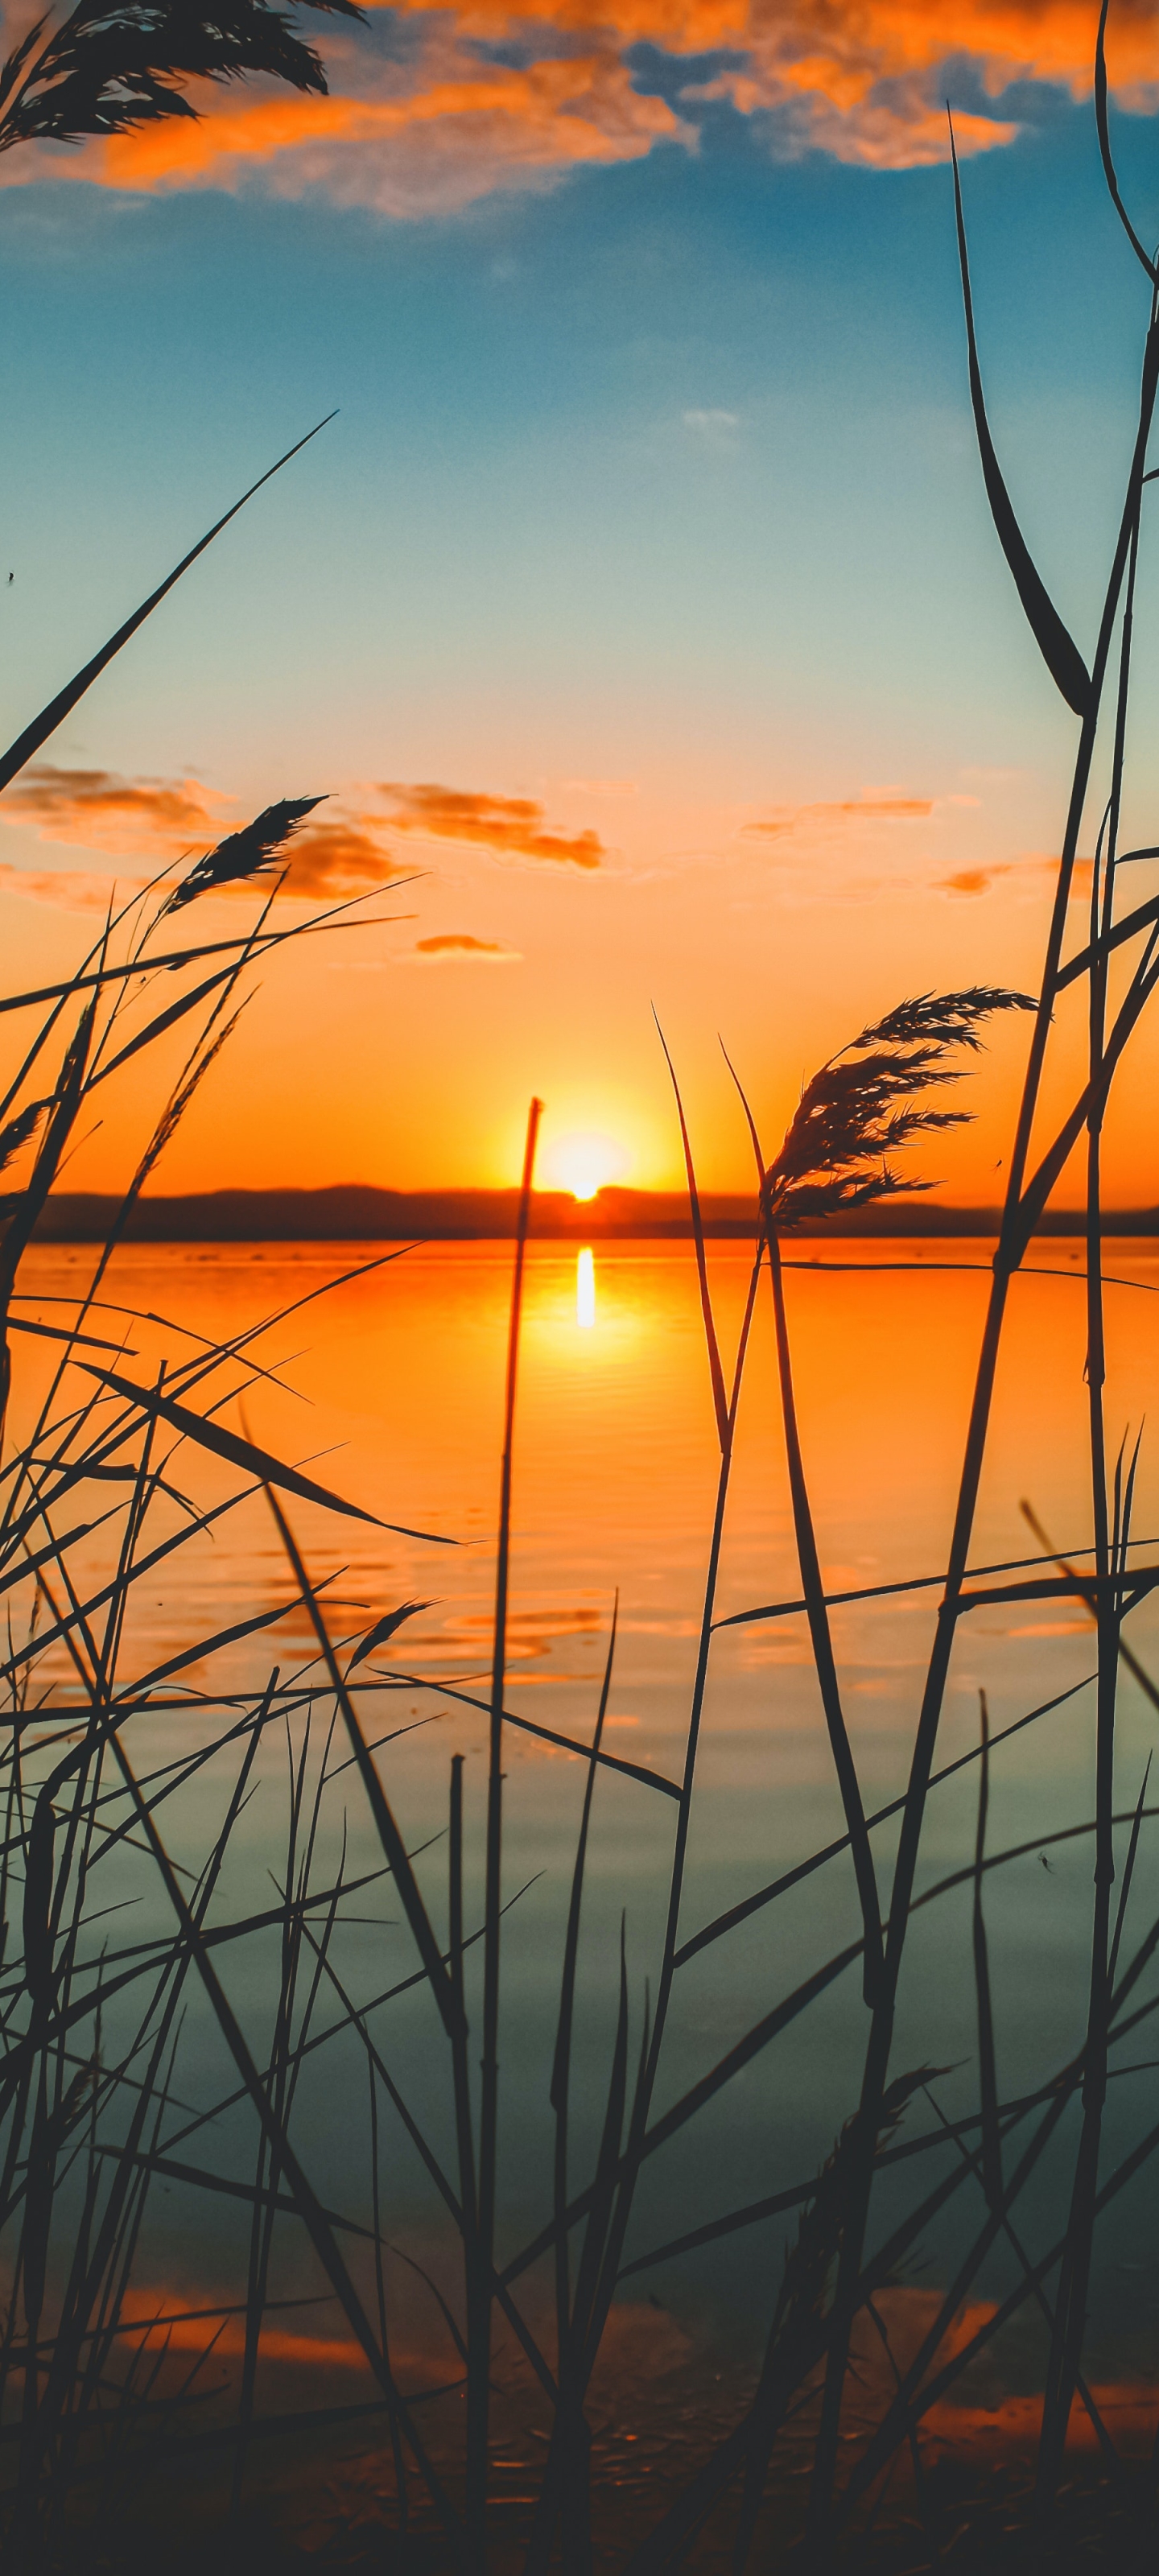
x=96 y=2067
x=113 y=65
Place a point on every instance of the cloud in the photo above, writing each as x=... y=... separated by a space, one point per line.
x=971 y=880
x=337 y=858
x=894 y=124
x=1031 y=872
x=799 y=882
x=153 y=817
x=712 y=428
x=431 y=109
x=510 y=824
x=425 y=136
x=825 y=820
x=169 y=821
x=430 y=144
x=867 y=80
x=456 y=947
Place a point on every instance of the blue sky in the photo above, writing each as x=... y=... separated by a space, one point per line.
x=652 y=502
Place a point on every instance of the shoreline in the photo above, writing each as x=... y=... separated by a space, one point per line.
x=353 y=1213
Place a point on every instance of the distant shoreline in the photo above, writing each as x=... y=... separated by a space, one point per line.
x=353 y=1213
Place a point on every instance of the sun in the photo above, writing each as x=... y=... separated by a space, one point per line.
x=584 y=1164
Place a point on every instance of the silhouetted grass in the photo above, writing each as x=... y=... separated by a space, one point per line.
x=112 y=65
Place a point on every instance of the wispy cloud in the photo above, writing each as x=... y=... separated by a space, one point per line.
x=96 y=809
x=513 y=825
x=458 y=948
x=1029 y=873
x=716 y=429
x=425 y=116
x=824 y=820
x=162 y=822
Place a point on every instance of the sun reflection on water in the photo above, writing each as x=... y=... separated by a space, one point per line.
x=585 y=1290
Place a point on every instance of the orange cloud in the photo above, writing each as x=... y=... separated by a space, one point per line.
x=168 y=822
x=409 y=141
x=158 y=818
x=831 y=818
x=863 y=80
x=452 y=944
x=513 y=824
x=971 y=880
x=339 y=858
x=981 y=880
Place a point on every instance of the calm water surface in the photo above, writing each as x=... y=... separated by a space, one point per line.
x=398 y=1380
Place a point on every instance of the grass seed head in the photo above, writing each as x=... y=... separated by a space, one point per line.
x=245 y=854
x=857 y=1110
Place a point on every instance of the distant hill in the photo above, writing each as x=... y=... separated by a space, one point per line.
x=353 y=1213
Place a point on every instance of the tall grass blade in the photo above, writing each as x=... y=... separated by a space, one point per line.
x=479 y=2335
x=737 y=1914
x=66 y=1102
x=389 y=1836
x=1104 y=131
x=1060 y=654
x=1089 y=1594
x=561 y=2067
x=1033 y=2283
x=1128 y=1874
x=824 y=1662
x=245 y=1454
x=812 y=1585
x=305 y=2199
x=549 y=1735
x=716 y=1372
x=36 y=734
x=988 y=2078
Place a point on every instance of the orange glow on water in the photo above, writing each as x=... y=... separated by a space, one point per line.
x=585 y=1291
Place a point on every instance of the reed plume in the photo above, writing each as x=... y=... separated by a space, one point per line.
x=19 y=1130
x=244 y=854
x=110 y=68
x=836 y=1152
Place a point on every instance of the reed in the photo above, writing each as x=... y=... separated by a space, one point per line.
x=107 y=69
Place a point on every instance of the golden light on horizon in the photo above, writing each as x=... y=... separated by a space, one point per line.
x=584 y=1163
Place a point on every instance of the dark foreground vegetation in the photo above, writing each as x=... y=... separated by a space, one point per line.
x=521 y=2401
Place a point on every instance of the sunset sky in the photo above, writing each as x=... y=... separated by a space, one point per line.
x=640 y=608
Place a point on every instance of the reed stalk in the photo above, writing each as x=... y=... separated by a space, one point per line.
x=479 y=2326
x=1021 y=1209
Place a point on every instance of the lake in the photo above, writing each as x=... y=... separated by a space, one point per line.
x=397 y=1392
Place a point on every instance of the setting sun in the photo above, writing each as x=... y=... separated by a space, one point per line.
x=584 y=1164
